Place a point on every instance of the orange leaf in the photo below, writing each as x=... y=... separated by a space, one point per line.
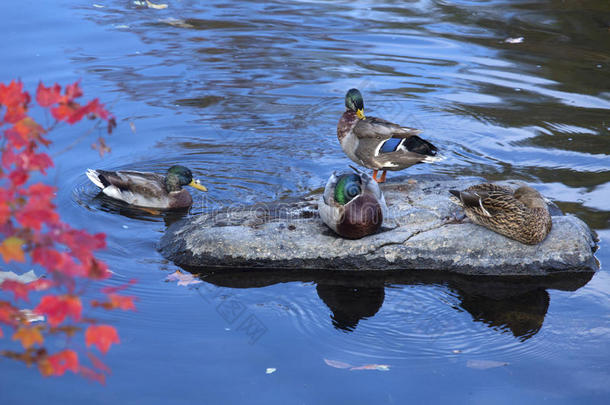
x=102 y=336
x=62 y=361
x=8 y=313
x=28 y=336
x=11 y=249
x=122 y=302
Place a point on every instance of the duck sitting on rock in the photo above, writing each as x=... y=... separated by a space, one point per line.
x=379 y=144
x=148 y=190
x=352 y=205
x=520 y=214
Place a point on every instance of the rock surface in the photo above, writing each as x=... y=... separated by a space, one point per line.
x=422 y=231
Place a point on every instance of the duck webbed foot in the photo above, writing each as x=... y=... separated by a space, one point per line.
x=381 y=179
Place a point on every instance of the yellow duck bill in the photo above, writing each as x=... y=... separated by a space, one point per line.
x=197 y=184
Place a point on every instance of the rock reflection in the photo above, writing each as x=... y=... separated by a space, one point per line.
x=517 y=305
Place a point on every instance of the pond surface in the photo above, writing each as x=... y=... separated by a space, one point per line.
x=248 y=96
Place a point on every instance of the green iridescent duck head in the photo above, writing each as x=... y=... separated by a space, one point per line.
x=355 y=102
x=178 y=176
x=352 y=205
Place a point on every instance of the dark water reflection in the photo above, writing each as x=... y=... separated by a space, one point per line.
x=514 y=304
x=247 y=94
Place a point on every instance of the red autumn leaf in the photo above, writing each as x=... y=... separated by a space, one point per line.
x=16 y=138
x=28 y=336
x=8 y=313
x=37 y=211
x=40 y=285
x=47 y=96
x=57 y=308
x=20 y=290
x=62 y=361
x=102 y=336
x=18 y=177
x=72 y=91
x=11 y=249
x=60 y=262
x=63 y=111
x=15 y=99
x=5 y=208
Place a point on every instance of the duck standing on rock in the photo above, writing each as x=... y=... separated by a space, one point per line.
x=520 y=214
x=352 y=205
x=379 y=144
x=148 y=190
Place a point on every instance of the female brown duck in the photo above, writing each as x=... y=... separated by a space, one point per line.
x=520 y=214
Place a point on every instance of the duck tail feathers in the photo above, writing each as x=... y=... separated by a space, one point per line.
x=93 y=175
x=433 y=159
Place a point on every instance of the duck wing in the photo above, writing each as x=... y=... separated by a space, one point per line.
x=146 y=184
x=379 y=128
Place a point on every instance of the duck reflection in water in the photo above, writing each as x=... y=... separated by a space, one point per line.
x=350 y=304
x=515 y=305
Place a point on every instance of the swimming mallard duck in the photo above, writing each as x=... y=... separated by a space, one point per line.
x=352 y=205
x=148 y=190
x=379 y=144
x=520 y=214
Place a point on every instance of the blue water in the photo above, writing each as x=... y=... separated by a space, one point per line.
x=247 y=95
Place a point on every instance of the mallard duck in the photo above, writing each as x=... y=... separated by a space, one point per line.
x=352 y=205
x=520 y=214
x=379 y=144
x=148 y=190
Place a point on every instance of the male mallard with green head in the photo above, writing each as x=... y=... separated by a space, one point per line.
x=379 y=144
x=352 y=205
x=520 y=214
x=148 y=190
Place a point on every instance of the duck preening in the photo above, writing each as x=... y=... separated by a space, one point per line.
x=379 y=144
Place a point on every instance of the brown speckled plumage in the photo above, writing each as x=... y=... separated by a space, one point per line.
x=520 y=214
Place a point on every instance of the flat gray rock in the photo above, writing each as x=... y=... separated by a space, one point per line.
x=423 y=231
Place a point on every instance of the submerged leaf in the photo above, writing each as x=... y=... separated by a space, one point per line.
x=183 y=278
x=337 y=364
x=485 y=364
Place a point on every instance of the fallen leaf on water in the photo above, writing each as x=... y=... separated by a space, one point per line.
x=517 y=40
x=270 y=370
x=337 y=364
x=183 y=278
x=485 y=364
x=340 y=364
x=378 y=367
x=156 y=6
